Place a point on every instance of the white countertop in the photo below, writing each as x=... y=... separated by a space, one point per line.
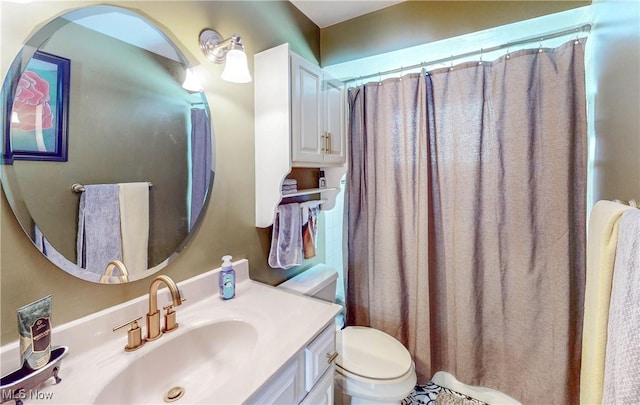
x=285 y=322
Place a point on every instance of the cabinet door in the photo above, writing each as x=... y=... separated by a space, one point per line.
x=306 y=111
x=334 y=121
x=319 y=356
x=281 y=389
x=322 y=393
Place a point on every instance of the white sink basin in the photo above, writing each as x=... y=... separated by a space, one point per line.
x=195 y=362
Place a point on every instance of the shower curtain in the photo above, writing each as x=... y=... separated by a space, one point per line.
x=490 y=287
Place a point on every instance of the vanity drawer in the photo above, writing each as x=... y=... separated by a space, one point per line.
x=319 y=355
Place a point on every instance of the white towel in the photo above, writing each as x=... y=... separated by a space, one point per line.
x=289 y=190
x=134 y=223
x=99 y=239
x=622 y=364
x=602 y=238
x=286 y=238
x=289 y=186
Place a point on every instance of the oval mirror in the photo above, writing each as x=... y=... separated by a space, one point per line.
x=107 y=157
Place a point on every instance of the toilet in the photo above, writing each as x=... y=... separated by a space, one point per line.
x=372 y=367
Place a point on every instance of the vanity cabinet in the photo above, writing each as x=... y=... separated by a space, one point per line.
x=305 y=379
x=300 y=121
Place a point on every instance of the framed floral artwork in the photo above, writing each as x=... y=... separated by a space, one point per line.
x=36 y=117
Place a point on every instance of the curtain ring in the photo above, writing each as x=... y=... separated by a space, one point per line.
x=577 y=41
x=451 y=64
x=379 y=79
x=540 y=45
x=401 y=72
x=508 y=51
x=481 y=50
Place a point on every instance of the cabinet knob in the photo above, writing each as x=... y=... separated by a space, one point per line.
x=331 y=357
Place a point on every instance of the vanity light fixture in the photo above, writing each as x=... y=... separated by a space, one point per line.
x=230 y=50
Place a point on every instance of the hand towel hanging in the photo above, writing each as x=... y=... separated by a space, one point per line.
x=309 y=227
x=99 y=238
x=286 y=238
x=621 y=383
x=134 y=223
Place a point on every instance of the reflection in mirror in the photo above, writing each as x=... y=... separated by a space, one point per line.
x=137 y=145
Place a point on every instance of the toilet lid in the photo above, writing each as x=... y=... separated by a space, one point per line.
x=371 y=353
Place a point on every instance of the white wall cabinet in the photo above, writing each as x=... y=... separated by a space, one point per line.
x=305 y=379
x=300 y=116
x=334 y=120
x=317 y=115
x=306 y=112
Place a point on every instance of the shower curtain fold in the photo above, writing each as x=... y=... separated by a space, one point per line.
x=387 y=182
x=489 y=285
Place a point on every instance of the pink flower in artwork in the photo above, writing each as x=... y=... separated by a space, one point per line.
x=32 y=91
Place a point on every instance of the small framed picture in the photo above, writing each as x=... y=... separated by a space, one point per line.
x=38 y=114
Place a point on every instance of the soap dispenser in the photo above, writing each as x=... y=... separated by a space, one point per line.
x=227 y=279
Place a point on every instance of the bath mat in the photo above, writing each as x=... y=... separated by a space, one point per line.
x=428 y=393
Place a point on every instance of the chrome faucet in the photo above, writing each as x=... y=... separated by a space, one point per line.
x=153 y=317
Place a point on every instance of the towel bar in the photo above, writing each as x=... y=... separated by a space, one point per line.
x=79 y=188
x=314 y=202
x=309 y=202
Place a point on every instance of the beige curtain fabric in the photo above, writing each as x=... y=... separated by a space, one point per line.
x=387 y=213
x=498 y=301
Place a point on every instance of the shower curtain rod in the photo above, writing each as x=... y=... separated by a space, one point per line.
x=539 y=38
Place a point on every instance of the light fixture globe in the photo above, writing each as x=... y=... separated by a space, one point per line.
x=191 y=82
x=236 y=69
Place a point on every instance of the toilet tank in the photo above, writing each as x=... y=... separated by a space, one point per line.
x=318 y=281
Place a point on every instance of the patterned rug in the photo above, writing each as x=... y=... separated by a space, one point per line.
x=427 y=394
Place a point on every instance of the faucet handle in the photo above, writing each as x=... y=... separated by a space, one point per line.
x=170 y=321
x=134 y=335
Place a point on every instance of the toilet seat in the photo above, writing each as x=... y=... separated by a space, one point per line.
x=371 y=354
